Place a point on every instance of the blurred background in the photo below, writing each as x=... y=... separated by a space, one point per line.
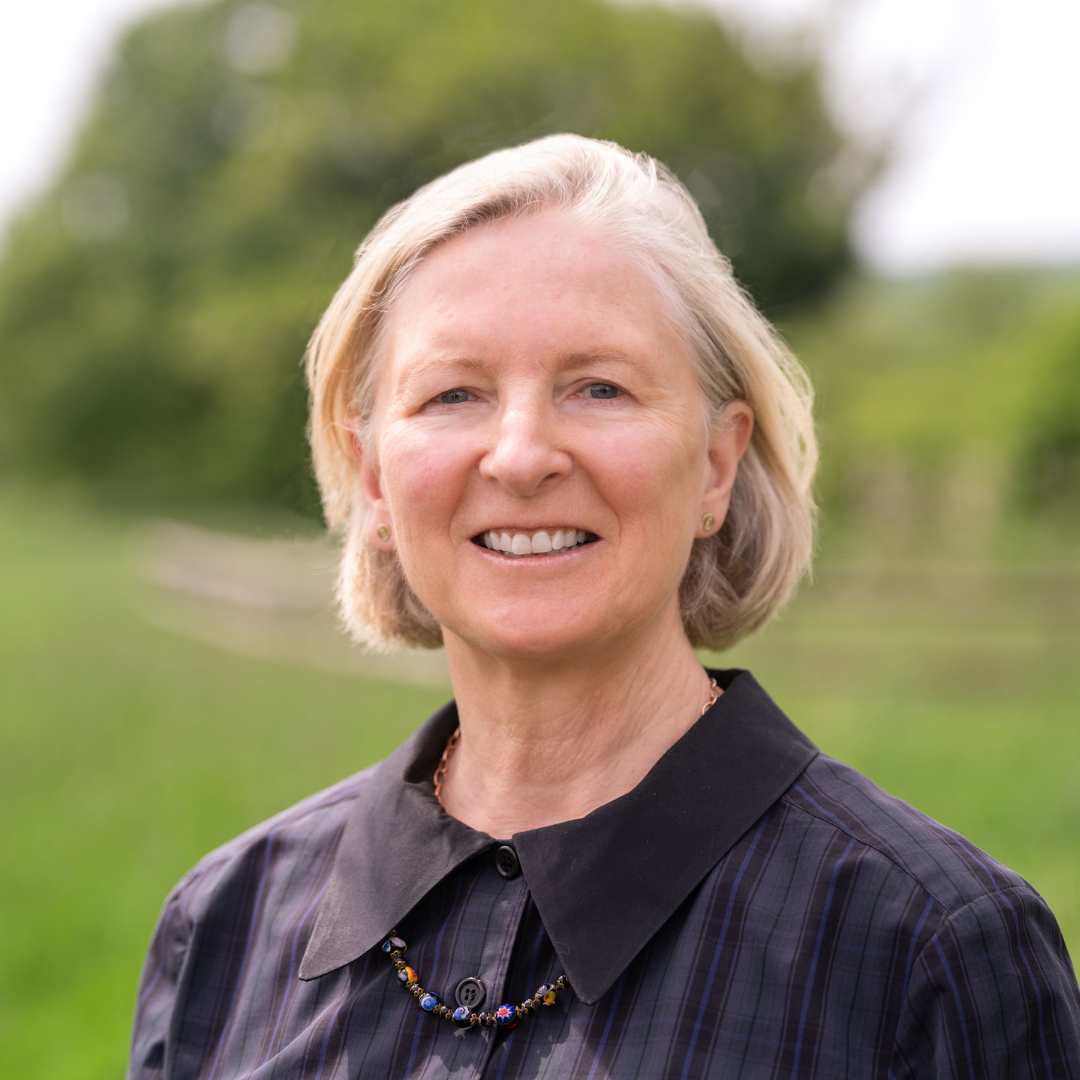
x=182 y=186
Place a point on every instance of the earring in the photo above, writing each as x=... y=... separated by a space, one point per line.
x=707 y=522
x=383 y=532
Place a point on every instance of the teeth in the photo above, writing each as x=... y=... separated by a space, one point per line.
x=539 y=543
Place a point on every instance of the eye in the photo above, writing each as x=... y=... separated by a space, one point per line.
x=601 y=390
x=453 y=397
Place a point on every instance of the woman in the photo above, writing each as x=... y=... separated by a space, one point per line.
x=565 y=447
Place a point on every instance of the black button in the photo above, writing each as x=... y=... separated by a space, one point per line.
x=470 y=993
x=506 y=862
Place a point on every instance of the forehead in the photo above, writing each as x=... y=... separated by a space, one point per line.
x=541 y=286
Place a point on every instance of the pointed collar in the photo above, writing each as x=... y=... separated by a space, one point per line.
x=604 y=884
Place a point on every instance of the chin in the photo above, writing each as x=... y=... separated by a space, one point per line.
x=537 y=635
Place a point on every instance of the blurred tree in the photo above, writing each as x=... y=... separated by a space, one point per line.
x=155 y=304
x=950 y=413
x=1053 y=437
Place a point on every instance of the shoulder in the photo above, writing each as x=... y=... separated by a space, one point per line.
x=934 y=859
x=978 y=960
x=280 y=866
x=297 y=844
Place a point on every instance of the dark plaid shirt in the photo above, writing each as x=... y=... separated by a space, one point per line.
x=752 y=909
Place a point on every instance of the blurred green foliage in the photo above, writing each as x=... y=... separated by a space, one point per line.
x=155 y=304
x=949 y=413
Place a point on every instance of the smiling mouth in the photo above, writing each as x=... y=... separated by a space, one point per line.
x=518 y=544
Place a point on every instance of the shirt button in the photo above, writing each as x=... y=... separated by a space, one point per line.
x=506 y=862
x=470 y=993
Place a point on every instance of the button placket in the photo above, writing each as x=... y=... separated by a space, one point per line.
x=496 y=906
x=500 y=936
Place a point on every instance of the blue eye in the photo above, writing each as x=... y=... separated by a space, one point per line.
x=602 y=390
x=453 y=397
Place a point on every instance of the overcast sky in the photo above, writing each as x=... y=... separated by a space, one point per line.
x=983 y=97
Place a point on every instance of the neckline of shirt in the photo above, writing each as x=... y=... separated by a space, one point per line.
x=604 y=884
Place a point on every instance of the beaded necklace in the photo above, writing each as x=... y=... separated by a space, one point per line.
x=505 y=1016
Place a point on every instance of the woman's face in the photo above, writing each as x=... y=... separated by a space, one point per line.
x=532 y=391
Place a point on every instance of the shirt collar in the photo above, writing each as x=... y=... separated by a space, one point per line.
x=603 y=884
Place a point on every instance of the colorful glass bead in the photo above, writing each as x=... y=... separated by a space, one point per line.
x=406 y=976
x=429 y=1002
x=506 y=1016
x=548 y=996
x=461 y=1017
x=392 y=943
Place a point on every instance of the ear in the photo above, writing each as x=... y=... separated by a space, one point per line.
x=727 y=444
x=354 y=442
x=371 y=486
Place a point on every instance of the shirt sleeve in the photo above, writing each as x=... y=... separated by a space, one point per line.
x=157 y=991
x=991 y=996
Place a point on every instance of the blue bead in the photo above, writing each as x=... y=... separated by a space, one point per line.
x=460 y=1017
x=506 y=1016
x=392 y=943
x=429 y=1001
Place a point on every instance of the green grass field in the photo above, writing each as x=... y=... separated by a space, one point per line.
x=127 y=752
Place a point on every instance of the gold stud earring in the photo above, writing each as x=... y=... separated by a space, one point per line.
x=383 y=532
x=707 y=522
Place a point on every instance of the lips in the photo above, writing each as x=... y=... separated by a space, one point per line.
x=517 y=543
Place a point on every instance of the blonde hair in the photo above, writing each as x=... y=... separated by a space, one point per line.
x=735 y=579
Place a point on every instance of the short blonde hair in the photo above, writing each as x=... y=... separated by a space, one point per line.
x=735 y=579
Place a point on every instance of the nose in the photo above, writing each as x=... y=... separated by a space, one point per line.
x=525 y=454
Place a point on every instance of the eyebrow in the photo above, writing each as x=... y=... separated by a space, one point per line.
x=465 y=364
x=439 y=363
x=602 y=356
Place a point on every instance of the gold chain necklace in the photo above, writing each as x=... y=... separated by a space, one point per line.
x=451 y=744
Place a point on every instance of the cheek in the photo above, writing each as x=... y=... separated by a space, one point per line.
x=650 y=475
x=421 y=476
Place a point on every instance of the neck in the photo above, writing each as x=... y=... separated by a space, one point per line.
x=549 y=741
